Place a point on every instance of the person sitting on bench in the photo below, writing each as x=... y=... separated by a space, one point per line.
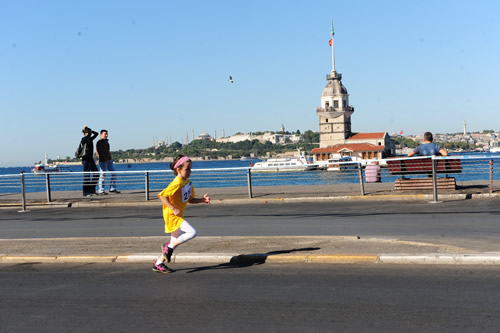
x=428 y=148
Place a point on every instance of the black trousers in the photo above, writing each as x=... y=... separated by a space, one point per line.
x=89 y=179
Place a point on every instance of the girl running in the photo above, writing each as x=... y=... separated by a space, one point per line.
x=175 y=199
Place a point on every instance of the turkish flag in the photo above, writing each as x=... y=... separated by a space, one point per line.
x=330 y=42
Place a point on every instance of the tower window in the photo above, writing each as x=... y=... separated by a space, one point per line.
x=326 y=119
x=335 y=104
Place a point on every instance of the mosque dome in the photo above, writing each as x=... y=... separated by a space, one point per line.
x=204 y=136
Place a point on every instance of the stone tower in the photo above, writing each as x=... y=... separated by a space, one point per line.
x=335 y=111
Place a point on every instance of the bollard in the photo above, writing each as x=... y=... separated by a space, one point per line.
x=434 y=181
x=249 y=177
x=147 y=185
x=361 y=182
x=47 y=184
x=23 y=194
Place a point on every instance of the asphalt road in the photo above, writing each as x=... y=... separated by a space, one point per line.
x=473 y=224
x=254 y=298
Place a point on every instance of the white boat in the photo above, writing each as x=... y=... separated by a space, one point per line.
x=341 y=164
x=300 y=163
x=495 y=150
x=49 y=168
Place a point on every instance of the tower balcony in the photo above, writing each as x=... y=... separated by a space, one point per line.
x=334 y=76
x=333 y=112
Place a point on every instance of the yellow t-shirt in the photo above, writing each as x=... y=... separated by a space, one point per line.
x=179 y=192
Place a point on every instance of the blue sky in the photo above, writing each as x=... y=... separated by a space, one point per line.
x=160 y=68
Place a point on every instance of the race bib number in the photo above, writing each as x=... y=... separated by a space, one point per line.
x=187 y=191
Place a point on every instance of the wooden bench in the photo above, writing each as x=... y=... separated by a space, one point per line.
x=423 y=166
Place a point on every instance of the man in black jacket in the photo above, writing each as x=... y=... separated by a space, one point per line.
x=105 y=163
x=89 y=179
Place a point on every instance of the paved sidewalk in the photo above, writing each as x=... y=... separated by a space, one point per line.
x=241 y=250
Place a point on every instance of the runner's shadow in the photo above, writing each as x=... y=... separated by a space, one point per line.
x=247 y=260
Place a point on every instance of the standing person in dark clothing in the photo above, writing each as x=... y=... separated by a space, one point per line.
x=89 y=179
x=105 y=163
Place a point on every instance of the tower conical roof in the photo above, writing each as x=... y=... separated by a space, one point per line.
x=334 y=86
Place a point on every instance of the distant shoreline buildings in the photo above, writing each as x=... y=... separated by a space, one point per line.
x=281 y=137
x=275 y=138
x=484 y=141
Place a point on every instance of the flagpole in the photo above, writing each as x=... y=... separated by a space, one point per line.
x=333 y=54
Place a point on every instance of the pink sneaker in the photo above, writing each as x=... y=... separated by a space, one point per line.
x=161 y=268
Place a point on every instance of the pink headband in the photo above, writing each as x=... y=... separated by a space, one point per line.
x=181 y=161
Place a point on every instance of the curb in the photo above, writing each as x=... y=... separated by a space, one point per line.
x=228 y=259
x=152 y=203
x=442 y=259
x=388 y=197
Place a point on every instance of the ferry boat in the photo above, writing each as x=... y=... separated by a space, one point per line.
x=341 y=164
x=300 y=163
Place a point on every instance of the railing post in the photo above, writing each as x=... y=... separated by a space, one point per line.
x=147 y=185
x=491 y=176
x=434 y=181
x=47 y=182
x=249 y=177
x=361 y=182
x=23 y=194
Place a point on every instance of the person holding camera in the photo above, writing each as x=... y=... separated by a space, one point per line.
x=86 y=152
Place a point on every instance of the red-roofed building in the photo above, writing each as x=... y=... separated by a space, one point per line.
x=360 y=146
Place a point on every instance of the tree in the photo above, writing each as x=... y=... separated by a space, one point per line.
x=176 y=145
x=404 y=142
x=311 y=137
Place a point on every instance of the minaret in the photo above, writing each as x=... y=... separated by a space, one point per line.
x=335 y=111
x=465 y=128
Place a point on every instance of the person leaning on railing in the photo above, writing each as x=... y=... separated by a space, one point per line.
x=428 y=148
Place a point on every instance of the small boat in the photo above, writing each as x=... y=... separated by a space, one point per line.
x=341 y=164
x=495 y=150
x=300 y=163
x=49 y=168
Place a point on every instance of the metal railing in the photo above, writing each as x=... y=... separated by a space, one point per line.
x=483 y=169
